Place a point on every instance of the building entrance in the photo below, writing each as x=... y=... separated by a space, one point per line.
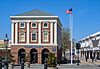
x=21 y=55
x=33 y=56
x=45 y=53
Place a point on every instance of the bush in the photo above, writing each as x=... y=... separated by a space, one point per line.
x=51 y=60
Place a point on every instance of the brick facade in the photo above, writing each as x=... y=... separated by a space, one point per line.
x=39 y=40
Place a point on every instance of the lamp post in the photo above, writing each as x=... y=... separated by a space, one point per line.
x=6 y=41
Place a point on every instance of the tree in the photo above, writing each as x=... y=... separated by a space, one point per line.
x=9 y=55
x=2 y=50
x=51 y=60
x=65 y=39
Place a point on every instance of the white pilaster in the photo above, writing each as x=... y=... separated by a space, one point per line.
x=51 y=33
x=16 y=33
x=39 y=33
x=55 y=33
x=27 y=33
x=12 y=33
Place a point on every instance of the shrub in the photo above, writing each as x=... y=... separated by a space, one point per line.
x=51 y=60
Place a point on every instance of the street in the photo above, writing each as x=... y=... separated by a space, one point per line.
x=63 y=66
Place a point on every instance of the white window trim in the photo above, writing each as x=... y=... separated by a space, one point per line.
x=20 y=24
x=19 y=38
x=44 y=23
x=33 y=23
x=43 y=37
x=36 y=37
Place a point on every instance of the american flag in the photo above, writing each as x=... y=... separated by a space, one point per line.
x=69 y=11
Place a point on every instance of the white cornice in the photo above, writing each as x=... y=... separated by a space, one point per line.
x=36 y=44
x=33 y=16
x=32 y=21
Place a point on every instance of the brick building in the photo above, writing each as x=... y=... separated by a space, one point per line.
x=35 y=33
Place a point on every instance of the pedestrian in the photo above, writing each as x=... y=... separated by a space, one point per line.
x=92 y=59
x=95 y=58
x=86 y=58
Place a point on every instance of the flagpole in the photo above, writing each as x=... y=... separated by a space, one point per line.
x=69 y=11
x=71 y=28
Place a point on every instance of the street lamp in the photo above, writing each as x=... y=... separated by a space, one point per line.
x=6 y=41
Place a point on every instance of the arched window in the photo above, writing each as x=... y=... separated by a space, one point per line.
x=45 y=36
x=34 y=36
x=22 y=37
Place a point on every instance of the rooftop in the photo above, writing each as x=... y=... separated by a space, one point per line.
x=35 y=12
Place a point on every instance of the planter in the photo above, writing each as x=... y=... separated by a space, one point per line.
x=51 y=67
x=28 y=64
x=11 y=66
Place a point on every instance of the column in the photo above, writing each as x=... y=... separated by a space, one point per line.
x=99 y=54
x=12 y=33
x=39 y=58
x=16 y=33
x=89 y=54
x=55 y=33
x=51 y=32
x=39 y=32
x=27 y=32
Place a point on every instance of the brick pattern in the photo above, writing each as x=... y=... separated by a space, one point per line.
x=15 y=49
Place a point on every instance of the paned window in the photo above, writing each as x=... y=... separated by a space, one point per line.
x=22 y=25
x=45 y=37
x=45 y=25
x=34 y=25
x=22 y=37
x=34 y=37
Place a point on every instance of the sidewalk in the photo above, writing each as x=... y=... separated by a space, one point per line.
x=89 y=62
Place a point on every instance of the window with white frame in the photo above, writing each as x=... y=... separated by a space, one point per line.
x=34 y=25
x=21 y=37
x=34 y=37
x=22 y=25
x=45 y=36
x=45 y=25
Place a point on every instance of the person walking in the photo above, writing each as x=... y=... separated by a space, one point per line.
x=93 y=59
x=86 y=58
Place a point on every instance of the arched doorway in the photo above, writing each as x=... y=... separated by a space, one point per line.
x=21 y=55
x=45 y=53
x=33 y=56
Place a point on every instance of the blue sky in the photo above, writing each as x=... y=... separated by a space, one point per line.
x=86 y=14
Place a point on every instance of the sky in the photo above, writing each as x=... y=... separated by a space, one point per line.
x=86 y=14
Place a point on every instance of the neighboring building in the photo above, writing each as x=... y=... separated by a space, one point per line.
x=2 y=47
x=90 y=46
x=35 y=33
